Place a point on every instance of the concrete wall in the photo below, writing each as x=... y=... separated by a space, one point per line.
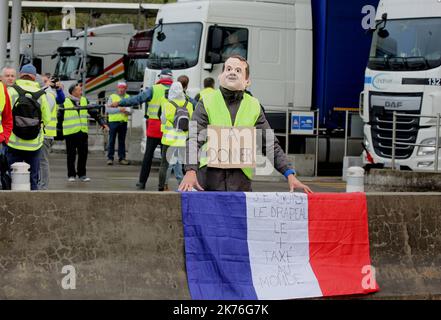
x=130 y=245
x=405 y=238
x=122 y=245
x=402 y=181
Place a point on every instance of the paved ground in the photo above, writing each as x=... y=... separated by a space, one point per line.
x=124 y=178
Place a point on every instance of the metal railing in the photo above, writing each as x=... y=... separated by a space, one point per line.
x=394 y=136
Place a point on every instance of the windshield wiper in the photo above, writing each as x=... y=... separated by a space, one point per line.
x=379 y=63
x=417 y=63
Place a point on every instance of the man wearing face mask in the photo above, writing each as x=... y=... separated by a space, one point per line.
x=231 y=101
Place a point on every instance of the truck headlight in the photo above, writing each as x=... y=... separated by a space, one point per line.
x=427 y=151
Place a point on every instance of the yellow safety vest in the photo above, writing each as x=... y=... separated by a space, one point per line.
x=34 y=144
x=51 y=128
x=2 y=104
x=204 y=92
x=155 y=103
x=219 y=115
x=118 y=117
x=75 y=120
x=170 y=135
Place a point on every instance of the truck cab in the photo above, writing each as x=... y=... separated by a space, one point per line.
x=275 y=36
x=403 y=75
x=96 y=58
x=39 y=48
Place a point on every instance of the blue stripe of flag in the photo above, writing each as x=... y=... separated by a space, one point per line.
x=217 y=257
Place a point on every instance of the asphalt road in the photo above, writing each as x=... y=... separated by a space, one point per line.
x=124 y=178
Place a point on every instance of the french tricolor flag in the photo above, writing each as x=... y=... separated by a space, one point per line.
x=276 y=245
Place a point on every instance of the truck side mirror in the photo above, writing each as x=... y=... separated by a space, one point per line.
x=216 y=39
x=161 y=36
x=215 y=58
x=383 y=33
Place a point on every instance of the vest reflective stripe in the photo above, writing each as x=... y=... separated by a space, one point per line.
x=75 y=120
x=2 y=104
x=14 y=141
x=51 y=128
x=155 y=103
x=219 y=115
x=170 y=135
x=27 y=145
x=118 y=117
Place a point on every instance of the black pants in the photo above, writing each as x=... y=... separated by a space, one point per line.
x=77 y=143
x=163 y=168
x=150 y=147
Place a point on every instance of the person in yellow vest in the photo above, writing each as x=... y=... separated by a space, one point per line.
x=54 y=96
x=208 y=87
x=118 y=118
x=75 y=120
x=176 y=112
x=152 y=97
x=224 y=107
x=27 y=134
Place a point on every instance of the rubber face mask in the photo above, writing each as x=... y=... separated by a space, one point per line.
x=234 y=75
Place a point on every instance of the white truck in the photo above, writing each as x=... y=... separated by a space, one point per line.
x=100 y=63
x=403 y=75
x=39 y=48
x=275 y=35
x=192 y=37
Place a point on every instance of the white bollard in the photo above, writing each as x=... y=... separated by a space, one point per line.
x=20 y=176
x=355 y=179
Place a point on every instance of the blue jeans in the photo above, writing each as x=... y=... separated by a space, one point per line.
x=175 y=164
x=32 y=158
x=120 y=129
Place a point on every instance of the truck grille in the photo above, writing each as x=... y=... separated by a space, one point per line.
x=381 y=121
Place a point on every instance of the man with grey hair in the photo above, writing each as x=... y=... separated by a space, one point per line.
x=9 y=75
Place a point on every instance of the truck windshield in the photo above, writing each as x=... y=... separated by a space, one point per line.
x=135 y=69
x=408 y=45
x=66 y=66
x=180 y=48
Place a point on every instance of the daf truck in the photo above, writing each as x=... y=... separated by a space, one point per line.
x=403 y=76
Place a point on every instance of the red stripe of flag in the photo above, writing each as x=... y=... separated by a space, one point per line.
x=339 y=243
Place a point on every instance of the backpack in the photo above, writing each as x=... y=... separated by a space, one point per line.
x=182 y=116
x=27 y=114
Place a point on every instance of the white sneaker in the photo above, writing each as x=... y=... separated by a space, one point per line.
x=84 y=179
x=71 y=179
